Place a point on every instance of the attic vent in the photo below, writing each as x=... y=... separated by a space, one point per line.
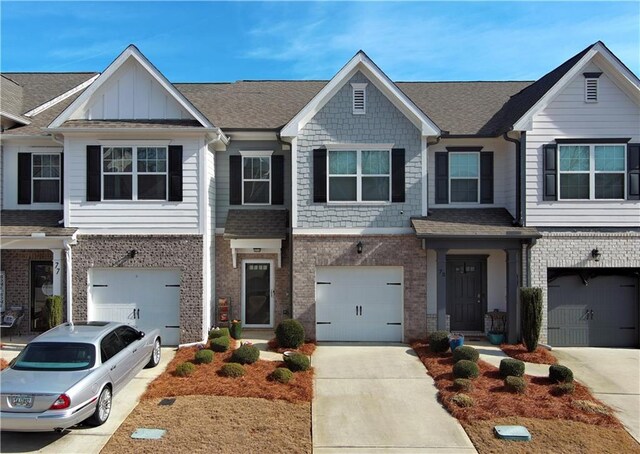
x=591 y=90
x=359 y=98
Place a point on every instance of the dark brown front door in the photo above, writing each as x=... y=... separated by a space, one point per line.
x=41 y=288
x=466 y=295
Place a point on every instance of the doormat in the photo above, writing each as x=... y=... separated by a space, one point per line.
x=148 y=434
x=515 y=433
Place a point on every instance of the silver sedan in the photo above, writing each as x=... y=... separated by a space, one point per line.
x=70 y=373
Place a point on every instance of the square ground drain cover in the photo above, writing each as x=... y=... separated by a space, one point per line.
x=148 y=434
x=515 y=433
x=167 y=401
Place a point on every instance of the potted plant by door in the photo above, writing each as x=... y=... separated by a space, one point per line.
x=235 y=329
x=456 y=340
x=496 y=334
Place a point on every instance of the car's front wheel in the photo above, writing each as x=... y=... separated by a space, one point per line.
x=155 y=355
x=103 y=409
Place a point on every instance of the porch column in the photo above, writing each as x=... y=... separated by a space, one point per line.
x=57 y=271
x=442 y=289
x=513 y=297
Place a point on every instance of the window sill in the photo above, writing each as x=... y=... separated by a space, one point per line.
x=366 y=203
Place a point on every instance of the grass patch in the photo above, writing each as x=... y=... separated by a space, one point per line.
x=306 y=349
x=519 y=351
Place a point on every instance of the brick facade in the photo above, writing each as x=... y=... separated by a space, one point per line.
x=378 y=250
x=572 y=249
x=182 y=252
x=229 y=279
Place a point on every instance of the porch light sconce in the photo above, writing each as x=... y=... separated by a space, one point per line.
x=257 y=249
x=596 y=254
x=132 y=253
x=359 y=247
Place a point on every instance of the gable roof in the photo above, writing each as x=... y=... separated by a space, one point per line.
x=362 y=63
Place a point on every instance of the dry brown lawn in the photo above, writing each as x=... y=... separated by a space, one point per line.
x=551 y=436
x=519 y=351
x=214 y=424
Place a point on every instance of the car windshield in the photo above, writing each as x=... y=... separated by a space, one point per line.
x=56 y=356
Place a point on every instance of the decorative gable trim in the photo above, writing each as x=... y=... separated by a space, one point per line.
x=62 y=97
x=361 y=62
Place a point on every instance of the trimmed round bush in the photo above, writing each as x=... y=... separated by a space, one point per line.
x=515 y=384
x=282 y=375
x=463 y=400
x=245 y=354
x=219 y=332
x=511 y=367
x=462 y=384
x=560 y=374
x=465 y=369
x=204 y=356
x=297 y=362
x=465 y=352
x=290 y=334
x=232 y=370
x=220 y=344
x=185 y=369
x=439 y=341
x=563 y=388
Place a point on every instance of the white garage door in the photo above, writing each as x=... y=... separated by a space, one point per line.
x=142 y=297
x=359 y=303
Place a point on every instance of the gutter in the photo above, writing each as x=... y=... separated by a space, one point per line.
x=519 y=220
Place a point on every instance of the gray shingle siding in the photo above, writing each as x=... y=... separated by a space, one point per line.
x=382 y=123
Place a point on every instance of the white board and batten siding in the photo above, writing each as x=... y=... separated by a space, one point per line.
x=615 y=115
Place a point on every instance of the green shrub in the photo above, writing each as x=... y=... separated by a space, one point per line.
x=560 y=374
x=564 y=388
x=515 y=384
x=465 y=352
x=465 y=369
x=245 y=354
x=513 y=367
x=290 y=334
x=462 y=384
x=203 y=356
x=233 y=370
x=236 y=329
x=531 y=300
x=282 y=375
x=297 y=361
x=219 y=332
x=220 y=344
x=185 y=369
x=53 y=309
x=463 y=400
x=439 y=341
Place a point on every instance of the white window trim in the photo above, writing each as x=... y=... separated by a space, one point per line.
x=257 y=154
x=59 y=178
x=134 y=173
x=477 y=202
x=586 y=84
x=592 y=170
x=356 y=87
x=358 y=175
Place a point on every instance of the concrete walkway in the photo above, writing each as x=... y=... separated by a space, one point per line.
x=492 y=354
x=379 y=398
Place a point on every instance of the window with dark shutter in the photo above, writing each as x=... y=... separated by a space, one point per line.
x=486 y=177
x=633 y=171
x=442 y=177
x=397 y=175
x=277 y=180
x=235 y=180
x=94 y=161
x=175 y=174
x=550 y=172
x=24 y=178
x=320 y=176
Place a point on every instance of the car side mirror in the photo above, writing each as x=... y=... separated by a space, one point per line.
x=141 y=334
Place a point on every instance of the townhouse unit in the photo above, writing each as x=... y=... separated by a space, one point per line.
x=369 y=210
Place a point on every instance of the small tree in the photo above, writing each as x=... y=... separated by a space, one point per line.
x=53 y=307
x=531 y=298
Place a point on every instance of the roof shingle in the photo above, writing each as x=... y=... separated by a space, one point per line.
x=257 y=223
x=27 y=222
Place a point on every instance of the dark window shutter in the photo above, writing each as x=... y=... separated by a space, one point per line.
x=397 y=175
x=550 y=172
x=24 y=178
x=175 y=173
x=633 y=170
x=235 y=180
x=486 y=177
x=61 y=177
x=442 y=177
x=320 y=176
x=277 y=180
x=94 y=161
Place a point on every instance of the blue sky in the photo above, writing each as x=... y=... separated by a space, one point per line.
x=215 y=41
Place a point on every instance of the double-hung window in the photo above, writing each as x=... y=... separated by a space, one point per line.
x=589 y=172
x=359 y=175
x=464 y=177
x=134 y=173
x=256 y=180
x=45 y=174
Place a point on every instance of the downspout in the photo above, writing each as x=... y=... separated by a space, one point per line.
x=290 y=309
x=518 y=221
x=69 y=277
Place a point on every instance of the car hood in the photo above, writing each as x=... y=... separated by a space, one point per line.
x=39 y=382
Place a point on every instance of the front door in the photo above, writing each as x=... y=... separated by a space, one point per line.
x=258 y=289
x=466 y=295
x=41 y=288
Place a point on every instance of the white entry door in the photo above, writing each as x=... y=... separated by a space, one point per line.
x=146 y=298
x=359 y=303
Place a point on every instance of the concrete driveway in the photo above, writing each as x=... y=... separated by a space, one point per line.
x=613 y=374
x=88 y=440
x=379 y=398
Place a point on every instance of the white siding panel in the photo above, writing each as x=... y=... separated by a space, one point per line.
x=615 y=115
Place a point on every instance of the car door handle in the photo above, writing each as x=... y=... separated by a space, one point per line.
x=113 y=367
x=134 y=350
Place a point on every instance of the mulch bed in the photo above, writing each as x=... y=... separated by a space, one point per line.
x=206 y=381
x=492 y=400
x=3 y=364
x=308 y=348
x=519 y=351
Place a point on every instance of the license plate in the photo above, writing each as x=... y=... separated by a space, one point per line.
x=21 y=400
